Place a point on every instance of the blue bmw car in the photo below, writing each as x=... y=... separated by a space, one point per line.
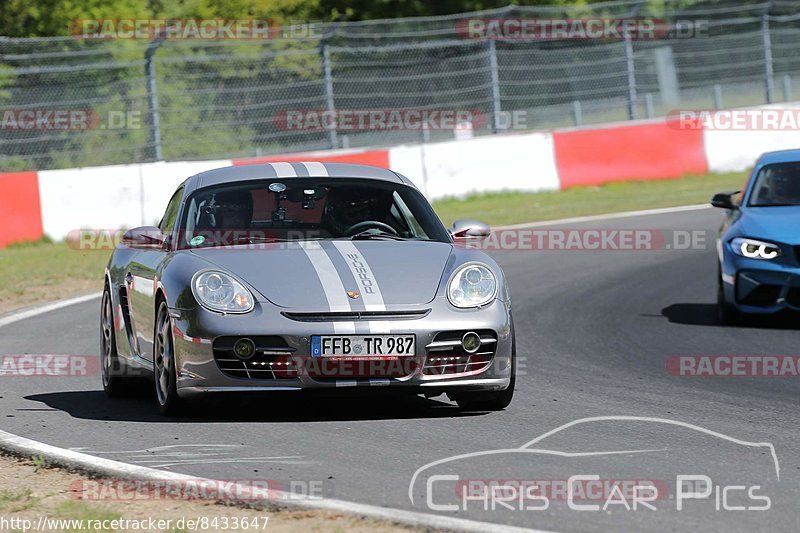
x=759 y=243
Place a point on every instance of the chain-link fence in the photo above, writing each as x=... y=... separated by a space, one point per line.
x=194 y=99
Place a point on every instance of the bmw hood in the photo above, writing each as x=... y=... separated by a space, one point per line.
x=780 y=223
x=338 y=275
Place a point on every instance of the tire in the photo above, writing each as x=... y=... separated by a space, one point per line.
x=164 y=368
x=112 y=370
x=494 y=400
x=727 y=314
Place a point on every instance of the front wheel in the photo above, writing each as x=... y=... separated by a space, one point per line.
x=115 y=383
x=165 y=374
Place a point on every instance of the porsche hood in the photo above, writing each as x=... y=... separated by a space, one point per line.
x=339 y=275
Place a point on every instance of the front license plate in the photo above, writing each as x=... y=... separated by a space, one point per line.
x=359 y=346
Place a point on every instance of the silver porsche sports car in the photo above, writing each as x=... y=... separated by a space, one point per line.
x=299 y=276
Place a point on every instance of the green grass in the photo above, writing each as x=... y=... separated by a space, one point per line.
x=17 y=500
x=42 y=270
x=78 y=510
x=517 y=207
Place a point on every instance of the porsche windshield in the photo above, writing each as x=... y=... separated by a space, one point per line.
x=776 y=185
x=306 y=209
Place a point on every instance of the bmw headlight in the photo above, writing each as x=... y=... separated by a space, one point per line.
x=222 y=293
x=472 y=285
x=755 y=249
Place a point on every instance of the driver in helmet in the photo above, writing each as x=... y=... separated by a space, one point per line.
x=348 y=206
x=233 y=215
x=234 y=210
x=784 y=187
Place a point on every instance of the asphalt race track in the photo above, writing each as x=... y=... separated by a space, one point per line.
x=594 y=332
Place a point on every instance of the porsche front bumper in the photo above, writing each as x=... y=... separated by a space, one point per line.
x=437 y=366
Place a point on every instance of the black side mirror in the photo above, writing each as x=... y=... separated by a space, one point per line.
x=724 y=200
x=145 y=237
x=469 y=228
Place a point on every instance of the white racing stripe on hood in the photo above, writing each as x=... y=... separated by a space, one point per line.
x=284 y=170
x=366 y=281
x=335 y=293
x=316 y=169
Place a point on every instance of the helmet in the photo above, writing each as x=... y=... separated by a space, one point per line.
x=784 y=185
x=234 y=209
x=347 y=206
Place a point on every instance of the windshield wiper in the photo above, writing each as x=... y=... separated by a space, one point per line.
x=376 y=234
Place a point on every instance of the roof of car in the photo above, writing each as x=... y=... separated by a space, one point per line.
x=781 y=156
x=291 y=170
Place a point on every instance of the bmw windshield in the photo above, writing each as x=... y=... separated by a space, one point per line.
x=298 y=210
x=777 y=185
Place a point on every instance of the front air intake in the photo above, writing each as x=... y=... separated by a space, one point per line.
x=447 y=354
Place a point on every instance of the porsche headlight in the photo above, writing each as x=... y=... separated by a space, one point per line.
x=755 y=249
x=472 y=285
x=222 y=293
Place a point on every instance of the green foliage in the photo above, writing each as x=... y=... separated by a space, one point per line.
x=37 y=18
x=15 y=501
x=39 y=462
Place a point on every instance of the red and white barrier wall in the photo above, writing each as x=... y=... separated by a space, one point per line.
x=730 y=151
x=54 y=202
x=20 y=212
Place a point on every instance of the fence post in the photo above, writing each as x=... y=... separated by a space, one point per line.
x=631 y=69
x=495 y=75
x=329 y=101
x=577 y=112
x=769 y=74
x=787 y=88
x=152 y=97
x=718 y=96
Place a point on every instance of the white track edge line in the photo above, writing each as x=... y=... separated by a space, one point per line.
x=607 y=216
x=46 y=308
x=106 y=467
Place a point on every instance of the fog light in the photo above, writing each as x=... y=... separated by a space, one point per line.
x=244 y=348
x=471 y=342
